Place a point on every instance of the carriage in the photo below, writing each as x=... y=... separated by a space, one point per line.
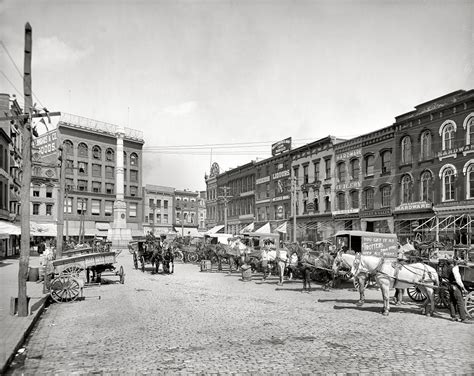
x=68 y=281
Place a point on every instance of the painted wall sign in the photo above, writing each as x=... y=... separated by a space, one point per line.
x=379 y=246
x=349 y=185
x=265 y=179
x=281 y=174
x=349 y=154
x=414 y=206
x=281 y=146
x=376 y=212
x=46 y=144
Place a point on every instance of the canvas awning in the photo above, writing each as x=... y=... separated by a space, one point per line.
x=193 y=232
x=8 y=228
x=282 y=228
x=214 y=230
x=43 y=229
x=265 y=229
x=249 y=228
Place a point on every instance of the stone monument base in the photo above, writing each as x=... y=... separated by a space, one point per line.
x=120 y=237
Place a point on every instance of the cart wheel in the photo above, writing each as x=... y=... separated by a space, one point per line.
x=122 y=275
x=72 y=271
x=178 y=255
x=415 y=294
x=441 y=298
x=469 y=304
x=192 y=257
x=64 y=289
x=142 y=261
x=135 y=261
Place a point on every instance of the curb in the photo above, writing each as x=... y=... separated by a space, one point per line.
x=43 y=302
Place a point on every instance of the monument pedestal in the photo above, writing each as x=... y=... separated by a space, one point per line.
x=120 y=237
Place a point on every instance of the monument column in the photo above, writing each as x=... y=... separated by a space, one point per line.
x=119 y=234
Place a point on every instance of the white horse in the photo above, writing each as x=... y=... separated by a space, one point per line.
x=389 y=273
x=281 y=258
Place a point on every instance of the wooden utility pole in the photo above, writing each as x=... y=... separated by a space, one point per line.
x=225 y=198
x=26 y=179
x=294 y=208
x=61 y=198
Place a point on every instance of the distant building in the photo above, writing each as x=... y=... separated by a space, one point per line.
x=186 y=212
x=158 y=209
x=202 y=211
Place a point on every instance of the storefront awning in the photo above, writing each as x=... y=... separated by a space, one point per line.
x=193 y=232
x=215 y=230
x=249 y=228
x=43 y=229
x=282 y=228
x=265 y=229
x=8 y=228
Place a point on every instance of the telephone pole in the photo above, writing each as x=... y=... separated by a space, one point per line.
x=225 y=198
x=62 y=183
x=293 y=191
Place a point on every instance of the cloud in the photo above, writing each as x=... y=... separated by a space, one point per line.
x=53 y=51
x=181 y=109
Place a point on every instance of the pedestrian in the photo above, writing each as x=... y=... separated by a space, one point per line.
x=456 y=288
x=264 y=257
x=41 y=247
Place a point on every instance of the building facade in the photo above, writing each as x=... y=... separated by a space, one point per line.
x=211 y=196
x=202 y=211
x=158 y=211
x=186 y=217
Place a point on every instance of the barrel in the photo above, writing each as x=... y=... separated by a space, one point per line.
x=246 y=272
x=206 y=266
x=33 y=274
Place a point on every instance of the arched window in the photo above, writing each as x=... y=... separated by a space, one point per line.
x=124 y=158
x=469 y=127
x=341 y=201
x=68 y=147
x=448 y=178
x=355 y=169
x=82 y=150
x=470 y=181
x=406 y=150
x=341 y=172
x=369 y=165
x=110 y=155
x=368 y=196
x=354 y=200
x=133 y=159
x=426 y=180
x=425 y=151
x=96 y=152
x=448 y=136
x=407 y=191
x=386 y=161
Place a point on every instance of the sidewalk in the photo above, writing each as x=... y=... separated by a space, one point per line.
x=14 y=329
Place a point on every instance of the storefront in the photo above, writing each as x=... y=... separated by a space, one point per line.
x=377 y=220
x=414 y=221
x=346 y=219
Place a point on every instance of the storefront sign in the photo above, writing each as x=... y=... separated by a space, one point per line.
x=452 y=152
x=265 y=179
x=281 y=146
x=281 y=174
x=345 y=212
x=280 y=198
x=262 y=201
x=46 y=144
x=376 y=213
x=349 y=154
x=349 y=185
x=414 y=206
x=379 y=246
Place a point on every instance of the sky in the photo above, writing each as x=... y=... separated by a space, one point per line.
x=220 y=81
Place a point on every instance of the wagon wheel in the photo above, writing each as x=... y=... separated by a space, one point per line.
x=214 y=259
x=72 y=271
x=178 y=255
x=142 y=261
x=469 y=304
x=135 y=260
x=121 y=273
x=415 y=294
x=441 y=298
x=64 y=289
x=192 y=257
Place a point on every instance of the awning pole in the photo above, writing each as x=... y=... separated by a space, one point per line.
x=438 y=222
x=424 y=223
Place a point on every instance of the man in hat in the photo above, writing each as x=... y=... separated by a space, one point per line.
x=456 y=288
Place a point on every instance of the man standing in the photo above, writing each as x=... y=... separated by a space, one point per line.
x=456 y=288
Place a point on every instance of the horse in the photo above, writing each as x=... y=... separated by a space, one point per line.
x=280 y=258
x=305 y=263
x=234 y=255
x=168 y=259
x=389 y=273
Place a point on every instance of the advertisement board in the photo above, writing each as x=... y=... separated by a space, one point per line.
x=281 y=146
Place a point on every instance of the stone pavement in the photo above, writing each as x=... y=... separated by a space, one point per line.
x=14 y=329
x=196 y=322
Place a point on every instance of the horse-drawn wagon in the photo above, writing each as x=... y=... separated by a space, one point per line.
x=149 y=250
x=67 y=273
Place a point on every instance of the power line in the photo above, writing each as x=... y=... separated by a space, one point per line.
x=11 y=83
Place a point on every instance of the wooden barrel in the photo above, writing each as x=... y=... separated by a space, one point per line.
x=246 y=273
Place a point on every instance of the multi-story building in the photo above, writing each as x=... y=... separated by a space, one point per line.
x=435 y=174
x=186 y=212
x=202 y=211
x=211 y=196
x=312 y=171
x=90 y=157
x=158 y=210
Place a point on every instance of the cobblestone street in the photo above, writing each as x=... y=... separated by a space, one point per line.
x=211 y=322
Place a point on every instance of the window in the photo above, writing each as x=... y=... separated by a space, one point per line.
x=36 y=191
x=109 y=155
x=96 y=170
x=82 y=150
x=406 y=191
x=165 y=218
x=425 y=145
x=69 y=183
x=341 y=201
x=165 y=204
x=369 y=165
x=96 y=152
x=305 y=174
x=305 y=201
x=470 y=181
x=36 y=208
x=469 y=127
x=386 y=161
x=355 y=169
x=68 y=205
x=386 y=190
x=355 y=200
x=448 y=136
x=96 y=187
x=406 y=150
x=109 y=188
x=151 y=203
x=296 y=173
x=369 y=198
x=317 y=176
x=316 y=204
x=328 y=168
x=158 y=203
x=108 y=208
x=82 y=206
x=49 y=191
x=133 y=191
x=69 y=167
x=82 y=168
x=426 y=184
x=109 y=172
x=68 y=147
x=124 y=158
x=95 y=207
x=49 y=209
x=448 y=183
x=82 y=185
x=341 y=172
x=134 y=176
x=133 y=159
